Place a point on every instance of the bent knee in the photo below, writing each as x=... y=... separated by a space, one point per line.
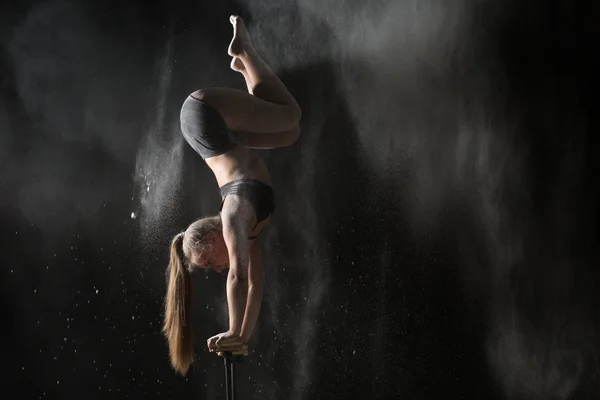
x=293 y=135
x=295 y=114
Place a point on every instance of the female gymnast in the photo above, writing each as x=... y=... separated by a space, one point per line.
x=221 y=124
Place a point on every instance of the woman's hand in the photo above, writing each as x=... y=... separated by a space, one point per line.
x=223 y=338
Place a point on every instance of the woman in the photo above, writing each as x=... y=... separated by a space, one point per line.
x=221 y=124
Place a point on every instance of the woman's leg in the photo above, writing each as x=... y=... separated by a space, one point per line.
x=238 y=65
x=261 y=140
x=265 y=84
x=272 y=109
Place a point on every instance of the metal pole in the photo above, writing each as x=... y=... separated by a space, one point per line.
x=232 y=377
x=229 y=363
x=225 y=362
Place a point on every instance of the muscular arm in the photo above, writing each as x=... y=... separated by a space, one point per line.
x=255 y=293
x=234 y=233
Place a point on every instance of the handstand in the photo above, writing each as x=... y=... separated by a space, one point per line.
x=221 y=124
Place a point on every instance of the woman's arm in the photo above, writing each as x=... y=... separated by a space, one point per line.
x=255 y=293
x=234 y=233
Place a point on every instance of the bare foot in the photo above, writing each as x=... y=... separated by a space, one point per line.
x=237 y=65
x=241 y=42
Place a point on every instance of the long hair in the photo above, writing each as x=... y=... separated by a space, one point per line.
x=178 y=324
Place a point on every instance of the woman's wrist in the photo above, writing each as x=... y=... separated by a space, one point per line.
x=234 y=332
x=245 y=337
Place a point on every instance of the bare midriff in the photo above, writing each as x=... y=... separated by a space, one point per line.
x=238 y=163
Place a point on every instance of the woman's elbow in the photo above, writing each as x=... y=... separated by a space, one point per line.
x=255 y=279
x=255 y=288
x=235 y=276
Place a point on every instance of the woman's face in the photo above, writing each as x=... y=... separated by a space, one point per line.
x=217 y=259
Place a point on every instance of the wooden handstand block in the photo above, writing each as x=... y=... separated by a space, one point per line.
x=233 y=348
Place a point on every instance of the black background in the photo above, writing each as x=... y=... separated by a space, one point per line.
x=436 y=226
